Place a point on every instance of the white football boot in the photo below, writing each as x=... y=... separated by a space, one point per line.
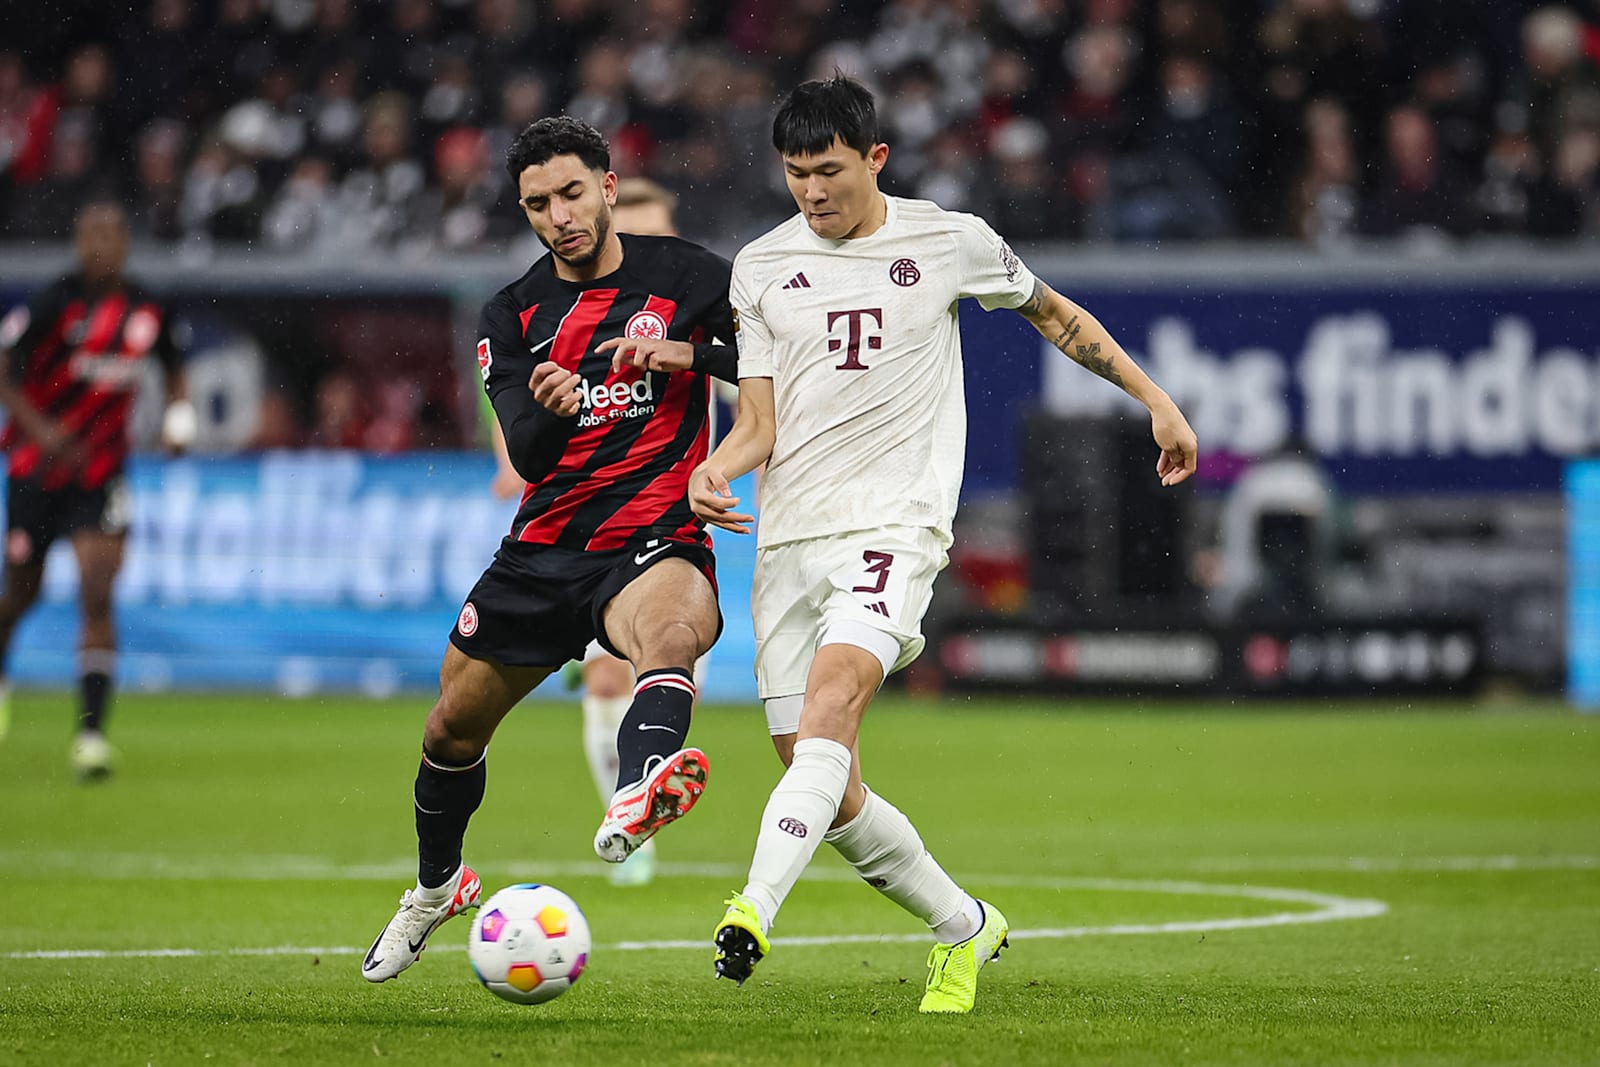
x=403 y=940
x=669 y=788
x=91 y=756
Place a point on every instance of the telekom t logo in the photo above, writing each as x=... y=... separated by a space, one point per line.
x=855 y=334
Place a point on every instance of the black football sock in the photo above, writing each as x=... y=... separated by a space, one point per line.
x=94 y=692
x=445 y=798
x=657 y=723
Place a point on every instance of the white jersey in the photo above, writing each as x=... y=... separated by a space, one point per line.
x=861 y=342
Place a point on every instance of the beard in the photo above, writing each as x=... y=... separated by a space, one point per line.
x=602 y=230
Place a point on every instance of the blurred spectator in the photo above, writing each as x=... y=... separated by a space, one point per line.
x=22 y=144
x=459 y=213
x=1323 y=200
x=1418 y=190
x=378 y=200
x=452 y=98
x=1026 y=203
x=268 y=129
x=1179 y=186
x=303 y=215
x=160 y=64
x=221 y=196
x=340 y=413
x=333 y=112
x=406 y=48
x=1560 y=85
x=157 y=200
x=241 y=49
x=1098 y=116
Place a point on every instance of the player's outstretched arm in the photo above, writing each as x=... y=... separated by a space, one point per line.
x=1082 y=339
x=748 y=445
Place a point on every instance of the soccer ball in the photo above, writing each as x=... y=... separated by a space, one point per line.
x=529 y=943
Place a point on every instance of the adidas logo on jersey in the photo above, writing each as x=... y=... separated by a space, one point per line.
x=797 y=282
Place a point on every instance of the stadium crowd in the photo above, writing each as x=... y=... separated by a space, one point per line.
x=380 y=124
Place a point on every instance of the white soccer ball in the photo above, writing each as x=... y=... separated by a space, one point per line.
x=529 y=943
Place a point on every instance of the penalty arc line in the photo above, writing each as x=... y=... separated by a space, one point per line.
x=1326 y=908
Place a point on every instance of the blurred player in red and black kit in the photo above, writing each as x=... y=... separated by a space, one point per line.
x=71 y=361
x=604 y=545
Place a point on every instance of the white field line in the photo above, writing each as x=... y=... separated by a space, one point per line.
x=1324 y=908
x=1395 y=864
x=255 y=868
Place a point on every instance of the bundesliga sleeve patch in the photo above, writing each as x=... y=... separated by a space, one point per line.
x=13 y=326
x=485 y=359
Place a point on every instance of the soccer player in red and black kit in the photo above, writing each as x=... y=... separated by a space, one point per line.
x=596 y=361
x=71 y=361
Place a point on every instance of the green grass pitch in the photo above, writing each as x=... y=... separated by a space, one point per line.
x=1157 y=862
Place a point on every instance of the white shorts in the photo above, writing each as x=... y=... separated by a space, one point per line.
x=869 y=588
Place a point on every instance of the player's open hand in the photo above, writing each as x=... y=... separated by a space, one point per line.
x=1180 y=448
x=711 y=498
x=555 y=388
x=648 y=353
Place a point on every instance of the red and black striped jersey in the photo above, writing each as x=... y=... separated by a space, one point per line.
x=78 y=356
x=617 y=472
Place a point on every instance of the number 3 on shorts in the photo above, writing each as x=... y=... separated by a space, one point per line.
x=878 y=564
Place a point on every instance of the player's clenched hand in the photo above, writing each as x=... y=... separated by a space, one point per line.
x=648 y=353
x=556 y=388
x=1179 y=446
x=58 y=445
x=711 y=498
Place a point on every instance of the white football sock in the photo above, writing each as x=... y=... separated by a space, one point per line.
x=888 y=854
x=601 y=717
x=801 y=807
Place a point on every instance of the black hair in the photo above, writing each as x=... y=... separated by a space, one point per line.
x=558 y=135
x=816 y=112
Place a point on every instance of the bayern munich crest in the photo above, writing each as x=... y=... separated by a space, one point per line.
x=646 y=326
x=467 y=623
x=904 y=272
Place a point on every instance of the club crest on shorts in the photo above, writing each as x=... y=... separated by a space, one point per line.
x=646 y=326
x=467 y=621
x=790 y=825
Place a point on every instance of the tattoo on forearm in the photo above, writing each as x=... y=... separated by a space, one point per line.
x=1090 y=358
x=1035 y=303
x=1065 y=338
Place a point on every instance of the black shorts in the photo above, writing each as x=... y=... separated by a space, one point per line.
x=540 y=606
x=36 y=516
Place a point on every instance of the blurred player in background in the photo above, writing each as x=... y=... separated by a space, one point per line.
x=642 y=208
x=71 y=361
x=851 y=381
x=604 y=545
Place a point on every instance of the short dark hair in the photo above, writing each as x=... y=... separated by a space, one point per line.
x=816 y=112
x=557 y=135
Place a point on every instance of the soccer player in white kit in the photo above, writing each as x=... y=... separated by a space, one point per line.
x=850 y=388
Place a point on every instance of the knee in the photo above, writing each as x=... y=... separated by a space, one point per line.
x=607 y=678
x=450 y=735
x=678 y=643
x=839 y=693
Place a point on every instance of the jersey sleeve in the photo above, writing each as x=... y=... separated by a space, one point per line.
x=990 y=271
x=753 y=338
x=709 y=275
x=535 y=435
